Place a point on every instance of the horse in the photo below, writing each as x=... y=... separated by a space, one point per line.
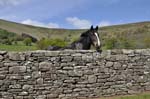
x=88 y=38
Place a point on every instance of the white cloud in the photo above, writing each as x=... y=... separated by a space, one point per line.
x=10 y=2
x=79 y=23
x=36 y=23
x=104 y=23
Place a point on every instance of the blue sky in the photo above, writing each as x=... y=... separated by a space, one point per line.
x=75 y=13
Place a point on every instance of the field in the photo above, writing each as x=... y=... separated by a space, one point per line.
x=16 y=47
x=139 y=96
x=125 y=36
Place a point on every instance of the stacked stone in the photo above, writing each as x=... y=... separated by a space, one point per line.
x=72 y=74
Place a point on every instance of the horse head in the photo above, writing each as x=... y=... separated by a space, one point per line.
x=92 y=33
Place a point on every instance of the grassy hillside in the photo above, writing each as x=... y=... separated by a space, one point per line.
x=134 y=35
x=38 y=32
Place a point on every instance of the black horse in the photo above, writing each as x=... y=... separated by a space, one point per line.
x=88 y=38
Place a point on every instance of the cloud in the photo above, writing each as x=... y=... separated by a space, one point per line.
x=10 y=2
x=104 y=23
x=36 y=23
x=79 y=23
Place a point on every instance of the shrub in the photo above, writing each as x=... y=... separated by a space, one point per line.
x=44 y=43
x=147 y=42
x=110 y=43
x=27 y=41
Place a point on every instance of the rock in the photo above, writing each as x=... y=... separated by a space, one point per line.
x=45 y=66
x=109 y=64
x=1 y=57
x=3 y=52
x=24 y=93
x=40 y=81
x=92 y=79
x=36 y=74
x=16 y=56
x=17 y=69
x=27 y=87
x=52 y=96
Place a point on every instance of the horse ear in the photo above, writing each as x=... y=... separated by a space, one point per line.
x=92 y=27
x=96 y=28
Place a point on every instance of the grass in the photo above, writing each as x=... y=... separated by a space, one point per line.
x=139 y=96
x=16 y=47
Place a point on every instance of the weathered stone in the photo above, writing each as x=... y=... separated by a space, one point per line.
x=1 y=57
x=24 y=93
x=109 y=64
x=36 y=74
x=92 y=79
x=50 y=96
x=27 y=87
x=16 y=86
x=66 y=59
x=3 y=52
x=16 y=56
x=17 y=69
x=11 y=64
x=77 y=54
x=45 y=66
x=52 y=53
x=117 y=65
x=41 y=97
x=2 y=77
x=40 y=81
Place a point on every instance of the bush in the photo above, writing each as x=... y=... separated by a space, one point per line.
x=27 y=41
x=110 y=43
x=44 y=43
x=147 y=42
x=124 y=43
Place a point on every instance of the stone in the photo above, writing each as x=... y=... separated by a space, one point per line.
x=128 y=51
x=51 y=96
x=45 y=66
x=17 y=69
x=2 y=77
x=41 y=97
x=52 y=53
x=1 y=57
x=36 y=74
x=3 y=52
x=109 y=64
x=77 y=54
x=92 y=79
x=117 y=65
x=27 y=87
x=16 y=86
x=16 y=56
x=24 y=93
x=40 y=81
x=66 y=59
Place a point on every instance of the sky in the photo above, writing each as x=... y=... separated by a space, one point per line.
x=75 y=14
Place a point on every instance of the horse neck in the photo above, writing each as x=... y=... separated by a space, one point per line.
x=86 y=42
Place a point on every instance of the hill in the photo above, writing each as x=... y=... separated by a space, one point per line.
x=38 y=32
x=133 y=35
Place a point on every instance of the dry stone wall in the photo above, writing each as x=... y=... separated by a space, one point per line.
x=73 y=74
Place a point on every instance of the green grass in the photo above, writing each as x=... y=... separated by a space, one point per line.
x=16 y=47
x=139 y=96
